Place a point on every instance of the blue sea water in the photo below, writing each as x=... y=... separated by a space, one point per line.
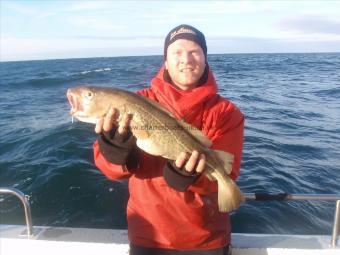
x=292 y=138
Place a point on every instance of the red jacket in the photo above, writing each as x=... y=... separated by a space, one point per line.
x=159 y=216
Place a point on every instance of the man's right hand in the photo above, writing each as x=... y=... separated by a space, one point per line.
x=116 y=141
x=110 y=122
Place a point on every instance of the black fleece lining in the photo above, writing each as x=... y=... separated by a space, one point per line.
x=117 y=150
x=177 y=178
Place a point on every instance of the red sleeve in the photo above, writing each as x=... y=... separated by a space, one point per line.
x=226 y=133
x=111 y=171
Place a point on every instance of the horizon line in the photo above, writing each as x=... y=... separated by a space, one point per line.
x=156 y=55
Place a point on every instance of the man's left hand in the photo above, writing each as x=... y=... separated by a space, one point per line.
x=191 y=163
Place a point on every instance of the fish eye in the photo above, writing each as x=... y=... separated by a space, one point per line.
x=89 y=94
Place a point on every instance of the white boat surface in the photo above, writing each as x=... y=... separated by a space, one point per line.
x=86 y=241
x=19 y=239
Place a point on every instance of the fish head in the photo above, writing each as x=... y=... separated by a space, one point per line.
x=88 y=104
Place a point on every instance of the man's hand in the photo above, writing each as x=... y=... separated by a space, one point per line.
x=110 y=121
x=192 y=163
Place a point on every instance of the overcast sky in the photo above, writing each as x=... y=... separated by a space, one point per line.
x=77 y=29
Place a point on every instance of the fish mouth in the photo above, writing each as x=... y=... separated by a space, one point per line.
x=74 y=101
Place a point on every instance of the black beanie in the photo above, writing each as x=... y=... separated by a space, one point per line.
x=185 y=32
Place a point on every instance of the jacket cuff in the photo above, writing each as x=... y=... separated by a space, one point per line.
x=119 y=151
x=177 y=178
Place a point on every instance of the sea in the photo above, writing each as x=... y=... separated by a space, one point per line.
x=292 y=139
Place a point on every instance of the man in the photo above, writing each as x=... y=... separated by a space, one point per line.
x=172 y=207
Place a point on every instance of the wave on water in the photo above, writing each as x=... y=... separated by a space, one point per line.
x=329 y=93
x=96 y=70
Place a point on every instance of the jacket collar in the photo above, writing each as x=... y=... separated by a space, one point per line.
x=182 y=102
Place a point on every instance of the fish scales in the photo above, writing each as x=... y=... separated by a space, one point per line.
x=154 y=121
x=161 y=129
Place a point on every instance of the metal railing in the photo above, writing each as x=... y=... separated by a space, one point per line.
x=248 y=196
x=27 y=208
x=308 y=197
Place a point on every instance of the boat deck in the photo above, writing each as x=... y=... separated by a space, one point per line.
x=55 y=240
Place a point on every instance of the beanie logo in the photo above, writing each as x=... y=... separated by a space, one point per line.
x=182 y=30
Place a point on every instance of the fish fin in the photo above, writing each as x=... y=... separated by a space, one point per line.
x=209 y=176
x=198 y=134
x=229 y=195
x=87 y=119
x=226 y=159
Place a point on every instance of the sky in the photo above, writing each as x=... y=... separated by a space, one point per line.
x=51 y=29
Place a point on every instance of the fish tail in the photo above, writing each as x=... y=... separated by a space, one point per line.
x=229 y=195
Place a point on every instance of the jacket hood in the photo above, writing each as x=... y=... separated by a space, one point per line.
x=182 y=102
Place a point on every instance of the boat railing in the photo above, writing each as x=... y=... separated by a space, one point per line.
x=303 y=197
x=248 y=196
x=27 y=208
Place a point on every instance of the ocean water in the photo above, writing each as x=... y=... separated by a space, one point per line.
x=292 y=138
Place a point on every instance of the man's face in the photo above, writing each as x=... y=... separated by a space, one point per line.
x=185 y=63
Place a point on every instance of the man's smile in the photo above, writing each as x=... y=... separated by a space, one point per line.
x=187 y=70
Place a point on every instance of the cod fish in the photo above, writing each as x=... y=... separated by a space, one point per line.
x=158 y=133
